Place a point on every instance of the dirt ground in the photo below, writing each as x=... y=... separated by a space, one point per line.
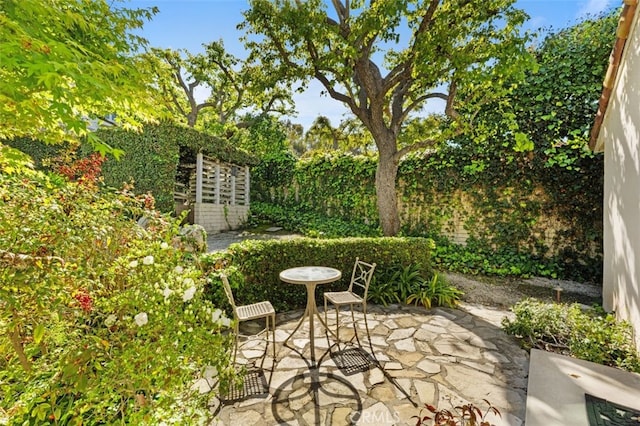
x=505 y=292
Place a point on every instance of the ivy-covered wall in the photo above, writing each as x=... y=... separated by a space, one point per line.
x=150 y=159
x=517 y=206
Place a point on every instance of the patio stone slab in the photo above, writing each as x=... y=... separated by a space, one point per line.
x=401 y=333
x=406 y=345
x=436 y=356
x=457 y=348
x=426 y=392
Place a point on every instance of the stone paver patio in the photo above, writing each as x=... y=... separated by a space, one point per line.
x=443 y=357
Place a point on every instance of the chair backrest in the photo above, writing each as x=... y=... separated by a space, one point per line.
x=228 y=292
x=361 y=277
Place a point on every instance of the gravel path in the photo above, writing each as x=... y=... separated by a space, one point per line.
x=222 y=240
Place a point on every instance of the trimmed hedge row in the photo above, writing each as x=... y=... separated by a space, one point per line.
x=259 y=264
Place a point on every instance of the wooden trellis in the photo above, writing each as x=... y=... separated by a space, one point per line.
x=214 y=182
x=217 y=193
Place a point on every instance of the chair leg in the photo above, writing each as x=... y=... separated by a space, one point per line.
x=354 y=325
x=337 y=324
x=235 y=343
x=366 y=326
x=273 y=335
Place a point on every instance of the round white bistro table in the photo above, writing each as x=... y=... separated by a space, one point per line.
x=310 y=276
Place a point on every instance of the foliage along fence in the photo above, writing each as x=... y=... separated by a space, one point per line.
x=517 y=207
x=150 y=159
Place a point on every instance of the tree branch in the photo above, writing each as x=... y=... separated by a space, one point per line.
x=419 y=101
x=414 y=147
x=332 y=92
x=403 y=69
x=449 y=108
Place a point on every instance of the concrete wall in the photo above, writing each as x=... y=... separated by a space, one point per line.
x=620 y=135
x=219 y=217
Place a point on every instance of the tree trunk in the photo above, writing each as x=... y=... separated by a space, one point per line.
x=386 y=191
x=192 y=117
x=16 y=342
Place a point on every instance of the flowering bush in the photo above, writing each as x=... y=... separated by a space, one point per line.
x=85 y=171
x=101 y=320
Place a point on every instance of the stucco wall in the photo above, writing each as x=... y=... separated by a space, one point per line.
x=620 y=134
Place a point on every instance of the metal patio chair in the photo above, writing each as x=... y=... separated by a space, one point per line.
x=250 y=312
x=355 y=295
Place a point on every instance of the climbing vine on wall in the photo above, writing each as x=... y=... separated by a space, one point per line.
x=502 y=208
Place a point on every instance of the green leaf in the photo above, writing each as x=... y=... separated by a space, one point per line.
x=38 y=333
x=523 y=143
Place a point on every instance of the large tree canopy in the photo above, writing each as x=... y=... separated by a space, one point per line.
x=385 y=59
x=230 y=86
x=66 y=61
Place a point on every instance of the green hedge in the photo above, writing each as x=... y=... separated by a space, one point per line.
x=38 y=151
x=150 y=160
x=259 y=264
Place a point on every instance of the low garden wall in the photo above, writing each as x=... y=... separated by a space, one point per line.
x=219 y=217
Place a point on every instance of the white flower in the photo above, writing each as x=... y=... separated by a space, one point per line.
x=167 y=292
x=178 y=269
x=133 y=264
x=226 y=322
x=189 y=281
x=141 y=319
x=111 y=319
x=188 y=294
x=215 y=316
x=164 y=246
x=148 y=260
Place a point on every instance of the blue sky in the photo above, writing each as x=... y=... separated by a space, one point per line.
x=187 y=24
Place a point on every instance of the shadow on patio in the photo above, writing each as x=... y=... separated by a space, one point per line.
x=443 y=357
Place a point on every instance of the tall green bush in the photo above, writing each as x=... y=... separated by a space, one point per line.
x=102 y=321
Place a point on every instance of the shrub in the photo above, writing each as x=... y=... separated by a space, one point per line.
x=413 y=284
x=435 y=291
x=591 y=335
x=260 y=263
x=101 y=321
